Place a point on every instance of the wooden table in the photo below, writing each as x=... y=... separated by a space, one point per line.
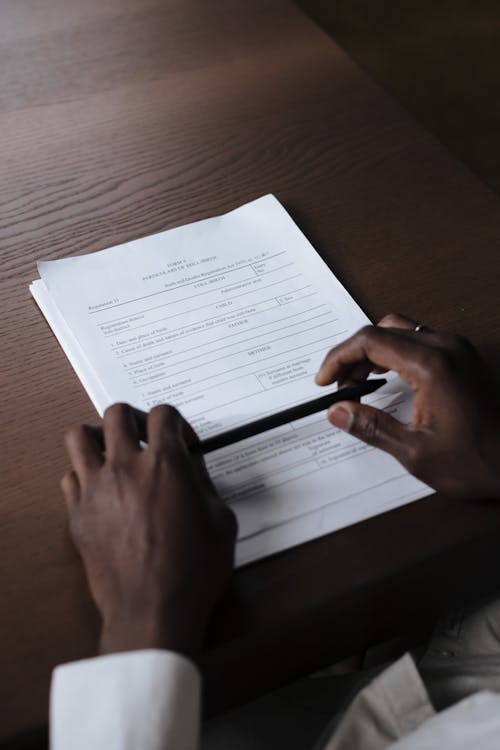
x=119 y=118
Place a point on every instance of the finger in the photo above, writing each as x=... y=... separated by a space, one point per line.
x=83 y=449
x=121 y=434
x=190 y=435
x=359 y=373
x=375 y=427
x=395 y=320
x=356 y=374
x=165 y=428
x=141 y=422
x=97 y=434
x=231 y=522
x=71 y=489
x=425 y=334
x=169 y=433
x=192 y=443
x=444 y=342
x=384 y=348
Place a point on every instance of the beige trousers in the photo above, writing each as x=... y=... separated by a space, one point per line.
x=371 y=708
x=463 y=657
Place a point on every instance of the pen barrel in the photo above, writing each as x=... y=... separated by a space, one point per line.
x=270 y=422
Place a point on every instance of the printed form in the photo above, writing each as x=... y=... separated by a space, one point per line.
x=229 y=319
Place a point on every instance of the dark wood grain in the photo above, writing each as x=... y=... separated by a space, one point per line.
x=120 y=118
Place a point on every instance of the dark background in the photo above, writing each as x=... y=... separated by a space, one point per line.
x=440 y=59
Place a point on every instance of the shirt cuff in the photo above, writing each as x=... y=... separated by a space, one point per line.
x=149 y=700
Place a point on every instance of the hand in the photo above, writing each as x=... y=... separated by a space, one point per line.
x=156 y=540
x=453 y=440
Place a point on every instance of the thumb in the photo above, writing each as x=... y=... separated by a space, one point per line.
x=373 y=426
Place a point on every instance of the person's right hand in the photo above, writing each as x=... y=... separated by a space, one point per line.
x=453 y=440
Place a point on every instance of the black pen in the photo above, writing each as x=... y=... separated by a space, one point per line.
x=229 y=437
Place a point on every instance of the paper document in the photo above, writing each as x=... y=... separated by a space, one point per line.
x=229 y=319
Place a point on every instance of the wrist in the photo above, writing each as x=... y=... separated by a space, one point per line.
x=122 y=633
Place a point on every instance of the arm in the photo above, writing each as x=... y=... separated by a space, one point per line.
x=149 y=700
x=453 y=440
x=157 y=544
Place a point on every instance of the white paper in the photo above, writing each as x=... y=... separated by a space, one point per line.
x=229 y=319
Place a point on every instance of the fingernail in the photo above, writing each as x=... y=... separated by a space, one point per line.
x=340 y=416
x=317 y=378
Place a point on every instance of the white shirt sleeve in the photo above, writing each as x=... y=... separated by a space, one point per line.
x=139 y=700
x=474 y=722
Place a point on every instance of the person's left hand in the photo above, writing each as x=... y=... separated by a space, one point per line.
x=156 y=540
x=452 y=441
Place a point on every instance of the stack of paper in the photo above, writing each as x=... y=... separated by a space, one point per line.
x=228 y=319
